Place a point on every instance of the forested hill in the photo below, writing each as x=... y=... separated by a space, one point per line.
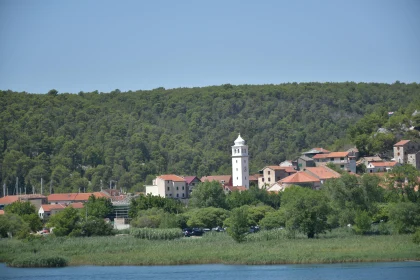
x=72 y=139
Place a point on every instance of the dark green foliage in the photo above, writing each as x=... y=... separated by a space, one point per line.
x=71 y=139
x=66 y=222
x=208 y=194
x=27 y=212
x=237 y=224
x=98 y=207
x=402 y=181
x=305 y=210
x=95 y=227
x=20 y=208
x=147 y=202
x=209 y=217
x=157 y=218
x=273 y=220
x=253 y=196
x=36 y=260
x=405 y=217
x=416 y=237
x=362 y=222
x=12 y=225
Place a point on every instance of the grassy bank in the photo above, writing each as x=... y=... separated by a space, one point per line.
x=216 y=248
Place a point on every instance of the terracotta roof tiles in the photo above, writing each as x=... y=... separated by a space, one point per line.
x=172 y=177
x=299 y=177
x=401 y=143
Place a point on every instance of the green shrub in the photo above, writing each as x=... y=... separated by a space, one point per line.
x=156 y=233
x=362 y=222
x=38 y=261
x=416 y=237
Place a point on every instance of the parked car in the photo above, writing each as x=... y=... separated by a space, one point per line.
x=192 y=232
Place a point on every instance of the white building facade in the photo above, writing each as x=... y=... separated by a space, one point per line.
x=240 y=164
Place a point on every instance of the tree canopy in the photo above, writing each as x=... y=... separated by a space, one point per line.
x=83 y=141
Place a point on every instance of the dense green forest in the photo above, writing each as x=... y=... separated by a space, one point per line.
x=85 y=140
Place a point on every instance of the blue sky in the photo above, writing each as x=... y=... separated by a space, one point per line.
x=91 y=45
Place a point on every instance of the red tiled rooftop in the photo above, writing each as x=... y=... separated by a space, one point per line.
x=50 y=207
x=76 y=205
x=338 y=154
x=8 y=199
x=323 y=172
x=299 y=177
x=172 y=177
x=401 y=143
x=384 y=163
x=320 y=156
x=74 y=196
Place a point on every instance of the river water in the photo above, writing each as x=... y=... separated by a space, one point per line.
x=352 y=271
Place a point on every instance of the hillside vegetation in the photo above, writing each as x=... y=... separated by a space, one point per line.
x=77 y=141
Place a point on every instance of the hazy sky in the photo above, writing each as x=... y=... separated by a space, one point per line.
x=101 y=45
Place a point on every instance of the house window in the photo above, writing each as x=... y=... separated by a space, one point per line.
x=237 y=178
x=269 y=179
x=168 y=188
x=342 y=158
x=236 y=161
x=342 y=166
x=182 y=187
x=170 y=194
x=177 y=188
x=177 y=195
x=182 y=195
x=268 y=172
x=236 y=169
x=331 y=159
x=262 y=179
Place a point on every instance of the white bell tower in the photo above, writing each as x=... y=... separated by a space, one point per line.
x=240 y=171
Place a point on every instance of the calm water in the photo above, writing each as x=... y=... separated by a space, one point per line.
x=371 y=271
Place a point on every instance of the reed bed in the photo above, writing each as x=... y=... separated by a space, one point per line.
x=262 y=248
x=35 y=260
x=156 y=233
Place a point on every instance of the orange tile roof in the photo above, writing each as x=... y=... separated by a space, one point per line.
x=1 y=212
x=384 y=163
x=319 y=156
x=299 y=177
x=8 y=199
x=172 y=177
x=338 y=154
x=50 y=207
x=401 y=143
x=290 y=169
x=76 y=205
x=323 y=172
x=74 y=196
x=275 y=167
